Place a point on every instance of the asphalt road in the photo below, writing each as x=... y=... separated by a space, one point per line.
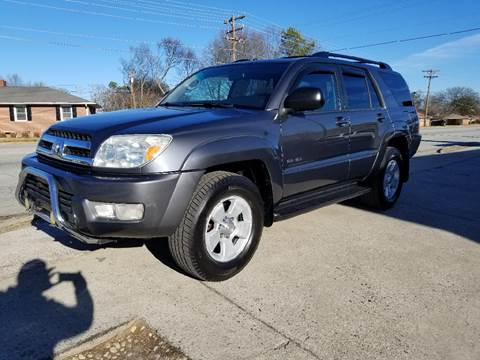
x=340 y=282
x=10 y=157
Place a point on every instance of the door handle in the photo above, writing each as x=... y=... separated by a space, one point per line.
x=343 y=121
x=380 y=117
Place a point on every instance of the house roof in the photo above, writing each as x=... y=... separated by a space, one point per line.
x=10 y=95
x=455 y=117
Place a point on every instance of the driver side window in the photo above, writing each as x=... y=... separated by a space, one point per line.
x=326 y=82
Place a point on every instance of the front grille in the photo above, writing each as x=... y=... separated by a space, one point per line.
x=64 y=165
x=37 y=190
x=69 y=135
x=45 y=144
x=66 y=146
x=76 y=151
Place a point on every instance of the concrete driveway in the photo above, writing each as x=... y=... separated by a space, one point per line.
x=340 y=282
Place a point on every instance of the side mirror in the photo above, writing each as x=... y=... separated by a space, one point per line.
x=305 y=99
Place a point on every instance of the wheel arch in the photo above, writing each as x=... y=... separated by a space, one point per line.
x=401 y=143
x=249 y=156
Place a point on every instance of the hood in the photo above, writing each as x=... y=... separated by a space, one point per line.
x=145 y=121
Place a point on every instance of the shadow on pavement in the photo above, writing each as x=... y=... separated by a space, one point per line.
x=443 y=193
x=157 y=247
x=31 y=324
x=75 y=244
x=444 y=143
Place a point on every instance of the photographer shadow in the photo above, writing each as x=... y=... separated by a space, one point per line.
x=31 y=324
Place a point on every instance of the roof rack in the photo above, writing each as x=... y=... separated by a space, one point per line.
x=326 y=54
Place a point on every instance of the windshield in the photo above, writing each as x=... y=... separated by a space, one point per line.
x=236 y=85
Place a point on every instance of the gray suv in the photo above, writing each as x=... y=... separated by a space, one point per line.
x=230 y=150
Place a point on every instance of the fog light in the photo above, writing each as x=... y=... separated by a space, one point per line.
x=123 y=212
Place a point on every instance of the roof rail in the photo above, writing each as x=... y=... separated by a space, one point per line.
x=326 y=54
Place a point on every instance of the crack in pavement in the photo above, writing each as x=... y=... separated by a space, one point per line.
x=253 y=316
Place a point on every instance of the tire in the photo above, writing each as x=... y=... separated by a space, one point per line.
x=379 y=198
x=210 y=216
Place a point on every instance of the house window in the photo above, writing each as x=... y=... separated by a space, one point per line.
x=20 y=113
x=66 y=112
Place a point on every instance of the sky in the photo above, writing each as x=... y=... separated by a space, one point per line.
x=77 y=44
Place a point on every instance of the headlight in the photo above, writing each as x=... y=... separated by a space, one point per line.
x=130 y=151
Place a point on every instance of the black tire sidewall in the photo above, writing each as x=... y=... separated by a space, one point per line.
x=234 y=185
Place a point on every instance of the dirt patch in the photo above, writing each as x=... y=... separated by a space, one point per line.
x=18 y=140
x=14 y=222
x=453 y=148
x=135 y=340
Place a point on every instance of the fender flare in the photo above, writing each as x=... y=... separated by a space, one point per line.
x=383 y=148
x=237 y=149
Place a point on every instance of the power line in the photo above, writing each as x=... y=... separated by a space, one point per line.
x=87 y=36
x=397 y=41
x=232 y=34
x=63 y=44
x=95 y=13
x=430 y=75
x=132 y=8
x=66 y=44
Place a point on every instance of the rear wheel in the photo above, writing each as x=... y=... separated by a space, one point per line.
x=387 y=183
x=221 y=228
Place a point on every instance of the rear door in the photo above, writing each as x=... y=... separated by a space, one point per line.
x=315 y=143
x=365 y=111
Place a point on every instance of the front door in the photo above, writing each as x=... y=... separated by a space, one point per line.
x=315 y=143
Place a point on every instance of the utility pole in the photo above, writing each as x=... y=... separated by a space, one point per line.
x=429 y=74
x=232 y=34
x=131 y=79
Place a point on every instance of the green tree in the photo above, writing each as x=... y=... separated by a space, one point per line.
x=293 y=43
x=462 y=100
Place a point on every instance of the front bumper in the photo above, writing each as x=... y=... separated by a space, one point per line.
x=61 y=201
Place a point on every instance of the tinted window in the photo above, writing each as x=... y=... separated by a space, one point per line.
x=398 y=87
x=248 y=85
x=324 y=81
x=356 y=91
x=373 y=94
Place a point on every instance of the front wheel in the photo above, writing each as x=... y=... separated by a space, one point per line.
x=221 y=228
x=387 y=183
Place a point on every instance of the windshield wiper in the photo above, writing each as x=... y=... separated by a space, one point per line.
x=210 y=105
x=167 y=104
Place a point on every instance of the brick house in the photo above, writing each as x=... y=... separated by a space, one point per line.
x=31 y=110
x=456 y=119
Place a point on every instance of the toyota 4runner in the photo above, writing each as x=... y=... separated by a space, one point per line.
x=230 y=150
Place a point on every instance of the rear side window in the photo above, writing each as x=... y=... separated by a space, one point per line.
x=324 y=81
x=373 y=94
x=356 y=90
x=398 y=87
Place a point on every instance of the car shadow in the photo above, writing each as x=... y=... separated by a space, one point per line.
x=442 y=193
x=31 y=323
x=444 y=143
x=66 y=240
x=157 y=247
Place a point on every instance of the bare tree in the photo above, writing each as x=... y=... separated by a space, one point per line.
x=146 y=67
x=189 y=65
x=217 y=51
x=253 y=45
x=139 y=70
x=15 y=80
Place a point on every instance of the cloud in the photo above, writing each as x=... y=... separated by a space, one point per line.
x=456 y=49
